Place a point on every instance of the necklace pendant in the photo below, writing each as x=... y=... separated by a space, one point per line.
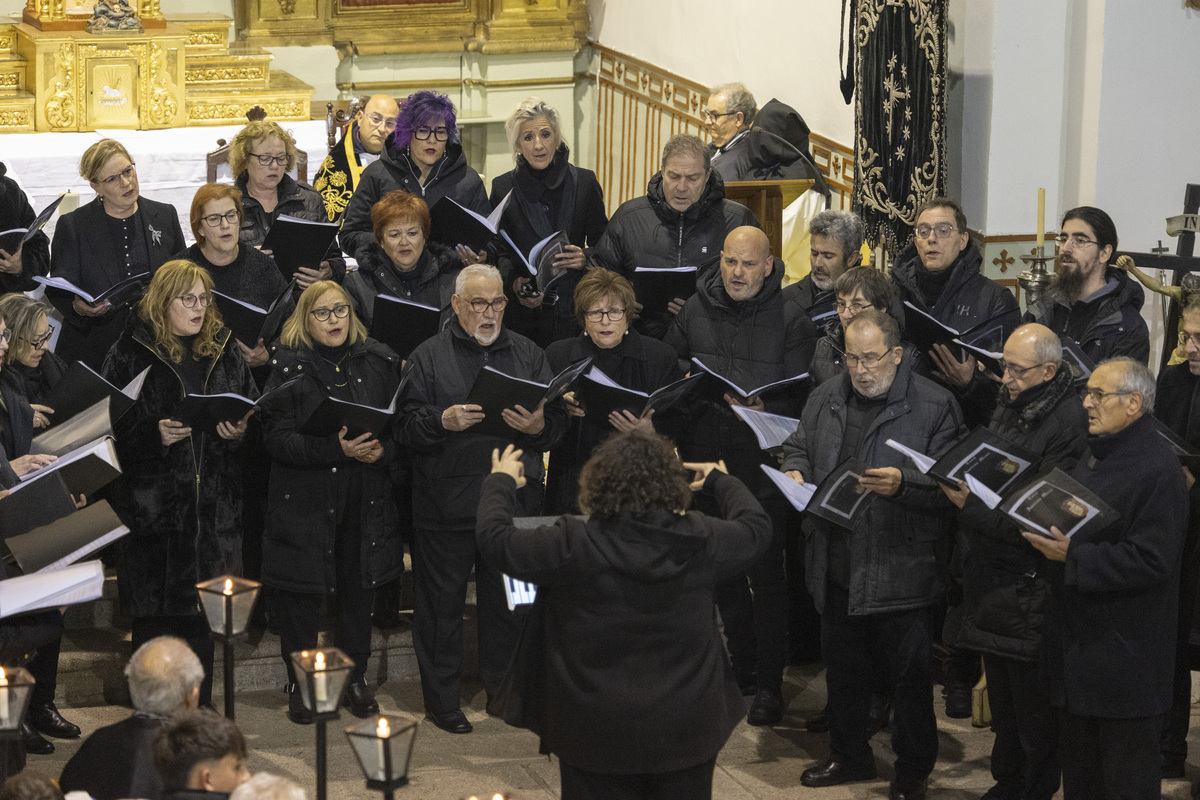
x=337 y=369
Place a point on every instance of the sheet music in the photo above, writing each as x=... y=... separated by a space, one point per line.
x=518 y=593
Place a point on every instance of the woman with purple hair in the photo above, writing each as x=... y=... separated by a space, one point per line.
x=423 y=158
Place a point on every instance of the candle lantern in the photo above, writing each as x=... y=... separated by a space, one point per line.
x=227 y=602
x=321 y=676
x=384 y=747
x=16 y=687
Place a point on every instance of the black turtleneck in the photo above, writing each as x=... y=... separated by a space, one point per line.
x=332 y=368
x=931 y=284
x=190 y=370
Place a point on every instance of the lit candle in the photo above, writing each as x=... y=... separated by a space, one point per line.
x=320 y=680
x=3 y=699
x=382 y=732
x=226 y=622
x=1041 y=234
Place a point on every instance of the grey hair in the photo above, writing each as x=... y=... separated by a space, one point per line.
x=1047 y=350
x=737 y=98
x=161 y=674
x=843 y=226
x=530 y=109
x=1135 y=378
x=265 y=786
x=475 y=271
x=685 y=145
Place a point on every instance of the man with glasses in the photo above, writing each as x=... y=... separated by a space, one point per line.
x=1091 y=301
x=1109 y=652
x=737 y=323
x=449 y=465
x=740 y=152
x=874 y=583
x=1005 y=589
x=361 y=145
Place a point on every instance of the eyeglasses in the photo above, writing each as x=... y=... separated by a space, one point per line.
x=713 y=116
x=42 y=340
x=266 y=159
x=341 y=311
x=441 y=134
x=857 y=308
x=942 y=229
x=868 y=362
x=613 y=314
x=215 y=220
x=124 y=175
x=190 y=300
x=1076 y=240
x=1015 y=371
x=388 y=123
x=479 y=305
x=6 y=336
x=1190 y=338
x=1096 y=395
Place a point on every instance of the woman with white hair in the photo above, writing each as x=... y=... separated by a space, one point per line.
x=548 y=195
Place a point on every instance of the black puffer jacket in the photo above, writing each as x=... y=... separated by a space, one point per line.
x=1107 y=326
x=310 y=474
x=451 y=177
x=433 y=282
x=1004 y=588
x=295 y=200
x=647 y=232
x=16 y=212
x=895 y=544
x=183 y=503
x=752 y=343
x=449 y=466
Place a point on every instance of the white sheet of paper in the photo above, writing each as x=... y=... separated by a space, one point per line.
x=923 y=462
x=798 y=494
x=989 y=498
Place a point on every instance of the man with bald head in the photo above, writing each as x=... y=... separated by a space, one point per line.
x=1109 y=650
x=738 y=324
x=1005 y=590
x=360 y=147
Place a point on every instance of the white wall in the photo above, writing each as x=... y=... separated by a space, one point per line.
x=786 y=49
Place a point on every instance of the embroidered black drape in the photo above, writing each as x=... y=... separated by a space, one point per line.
x=900 y=113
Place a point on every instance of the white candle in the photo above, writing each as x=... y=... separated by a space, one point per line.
x=320 y=680
x=225 y=621
x=382 y=732
x=1041 y=230
x=3 y=699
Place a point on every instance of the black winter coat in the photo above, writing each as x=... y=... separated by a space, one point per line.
x=1107 y=326
x=183 y=503
x=310 y=474
x=451 y=177
x=1109 y=649
x=16 y=212
x=88 y=257
x=376 y=274
x=818 y=304
x=752 y=343
x=637 y=362
x=1004 y=585
x=759 y=155
x=295 y=199
x=894 y=546
x=637 y=679
x=116 y=762
x=19 y=387
x=647 y=232
x=449 y=466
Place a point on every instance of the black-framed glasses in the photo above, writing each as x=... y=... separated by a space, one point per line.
x=1096 y=395
x=341 y=311
x=266 y=159
x=1015 y=371
x=942 y=229
x=124 y=175
x=613 y=315
x=190 y=300
x=869 y=362
x=1075 y=240
x=442 y=134
x=713 y=116
x=480 y=306
x=857 y=308
x=378 y=120
x=42 y=340
x=215 y=220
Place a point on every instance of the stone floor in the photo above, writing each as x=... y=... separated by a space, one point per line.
x=756 y=762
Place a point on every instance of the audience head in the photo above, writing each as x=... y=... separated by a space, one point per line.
x=534 y=132
x=376 y=121
x=858 y=289
x=30 y=785
x=836 y=239
x=30 y=328
x=685 y=169
x=1191 y=333
x=479 y=302
x=633 y=473
x=401 y=224
x=324 y=315
x=200 y=750
x=941 y=233
x=425 y=124
x=609 y=298
x=179 y=302
x=216 y=216
x=258 y=142
x=164 y=677
x=1032 y=356
x=873 y=352
x=731 y=110
x=1084 y=255
x=1119 y=392
x=746 y=261
x=110 y=170
x=265 y=786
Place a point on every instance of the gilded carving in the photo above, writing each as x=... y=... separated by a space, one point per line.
x=163 y=105
x=6 y=39
x=224 y=74
x=205 y=38
x=10 y=80
x=237 y=111
x=60 y=108
x=14 y=119
x=287 y=6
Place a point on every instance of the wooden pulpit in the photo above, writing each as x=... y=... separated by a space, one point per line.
x=767 y=199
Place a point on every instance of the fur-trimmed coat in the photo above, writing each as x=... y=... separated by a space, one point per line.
x=183 y=503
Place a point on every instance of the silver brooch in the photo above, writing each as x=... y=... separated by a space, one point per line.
x=155 y=235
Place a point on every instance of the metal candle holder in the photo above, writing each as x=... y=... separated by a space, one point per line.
x=1036 y=279
x=227 y=602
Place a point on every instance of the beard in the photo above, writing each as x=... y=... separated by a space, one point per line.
x=1068 y=281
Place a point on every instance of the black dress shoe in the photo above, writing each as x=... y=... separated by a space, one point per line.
x=359 y=699
x=833 y=773
x=452 y=721
x=767 y=708
x=958 y=701
x=296 y=712
x=907 y=791
x=46 y=719
x=818 y=723
x=34 y=744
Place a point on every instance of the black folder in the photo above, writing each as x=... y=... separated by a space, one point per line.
x=1058 y=500
x=539 y=261
x=452 y=224
x=600 y=395
x=495 y=391
x=81 y=386
x=403 y=324
x=1188 y=455
x=41 y=503
x=333 y=414
x=11 y=240
x=202 y=412
x=716 y=386
x=839 y=499
x=250 y=323
x=85 y=470
x=118 y=295
x=989 y=457
x=655 y=288
x=89 y=425
x=1073 y=357
x=299 y=243
x=67 y=540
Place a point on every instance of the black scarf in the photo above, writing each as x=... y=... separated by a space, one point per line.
x=540 y=190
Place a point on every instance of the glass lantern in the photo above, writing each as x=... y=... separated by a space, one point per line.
x=227 y=603
x=16 y=687
x=384 y=747
x=322 y=675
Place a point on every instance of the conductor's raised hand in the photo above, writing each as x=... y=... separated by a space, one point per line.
x=461 y=417
x=701 y=470
x=530 y=423
x=509 y=462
